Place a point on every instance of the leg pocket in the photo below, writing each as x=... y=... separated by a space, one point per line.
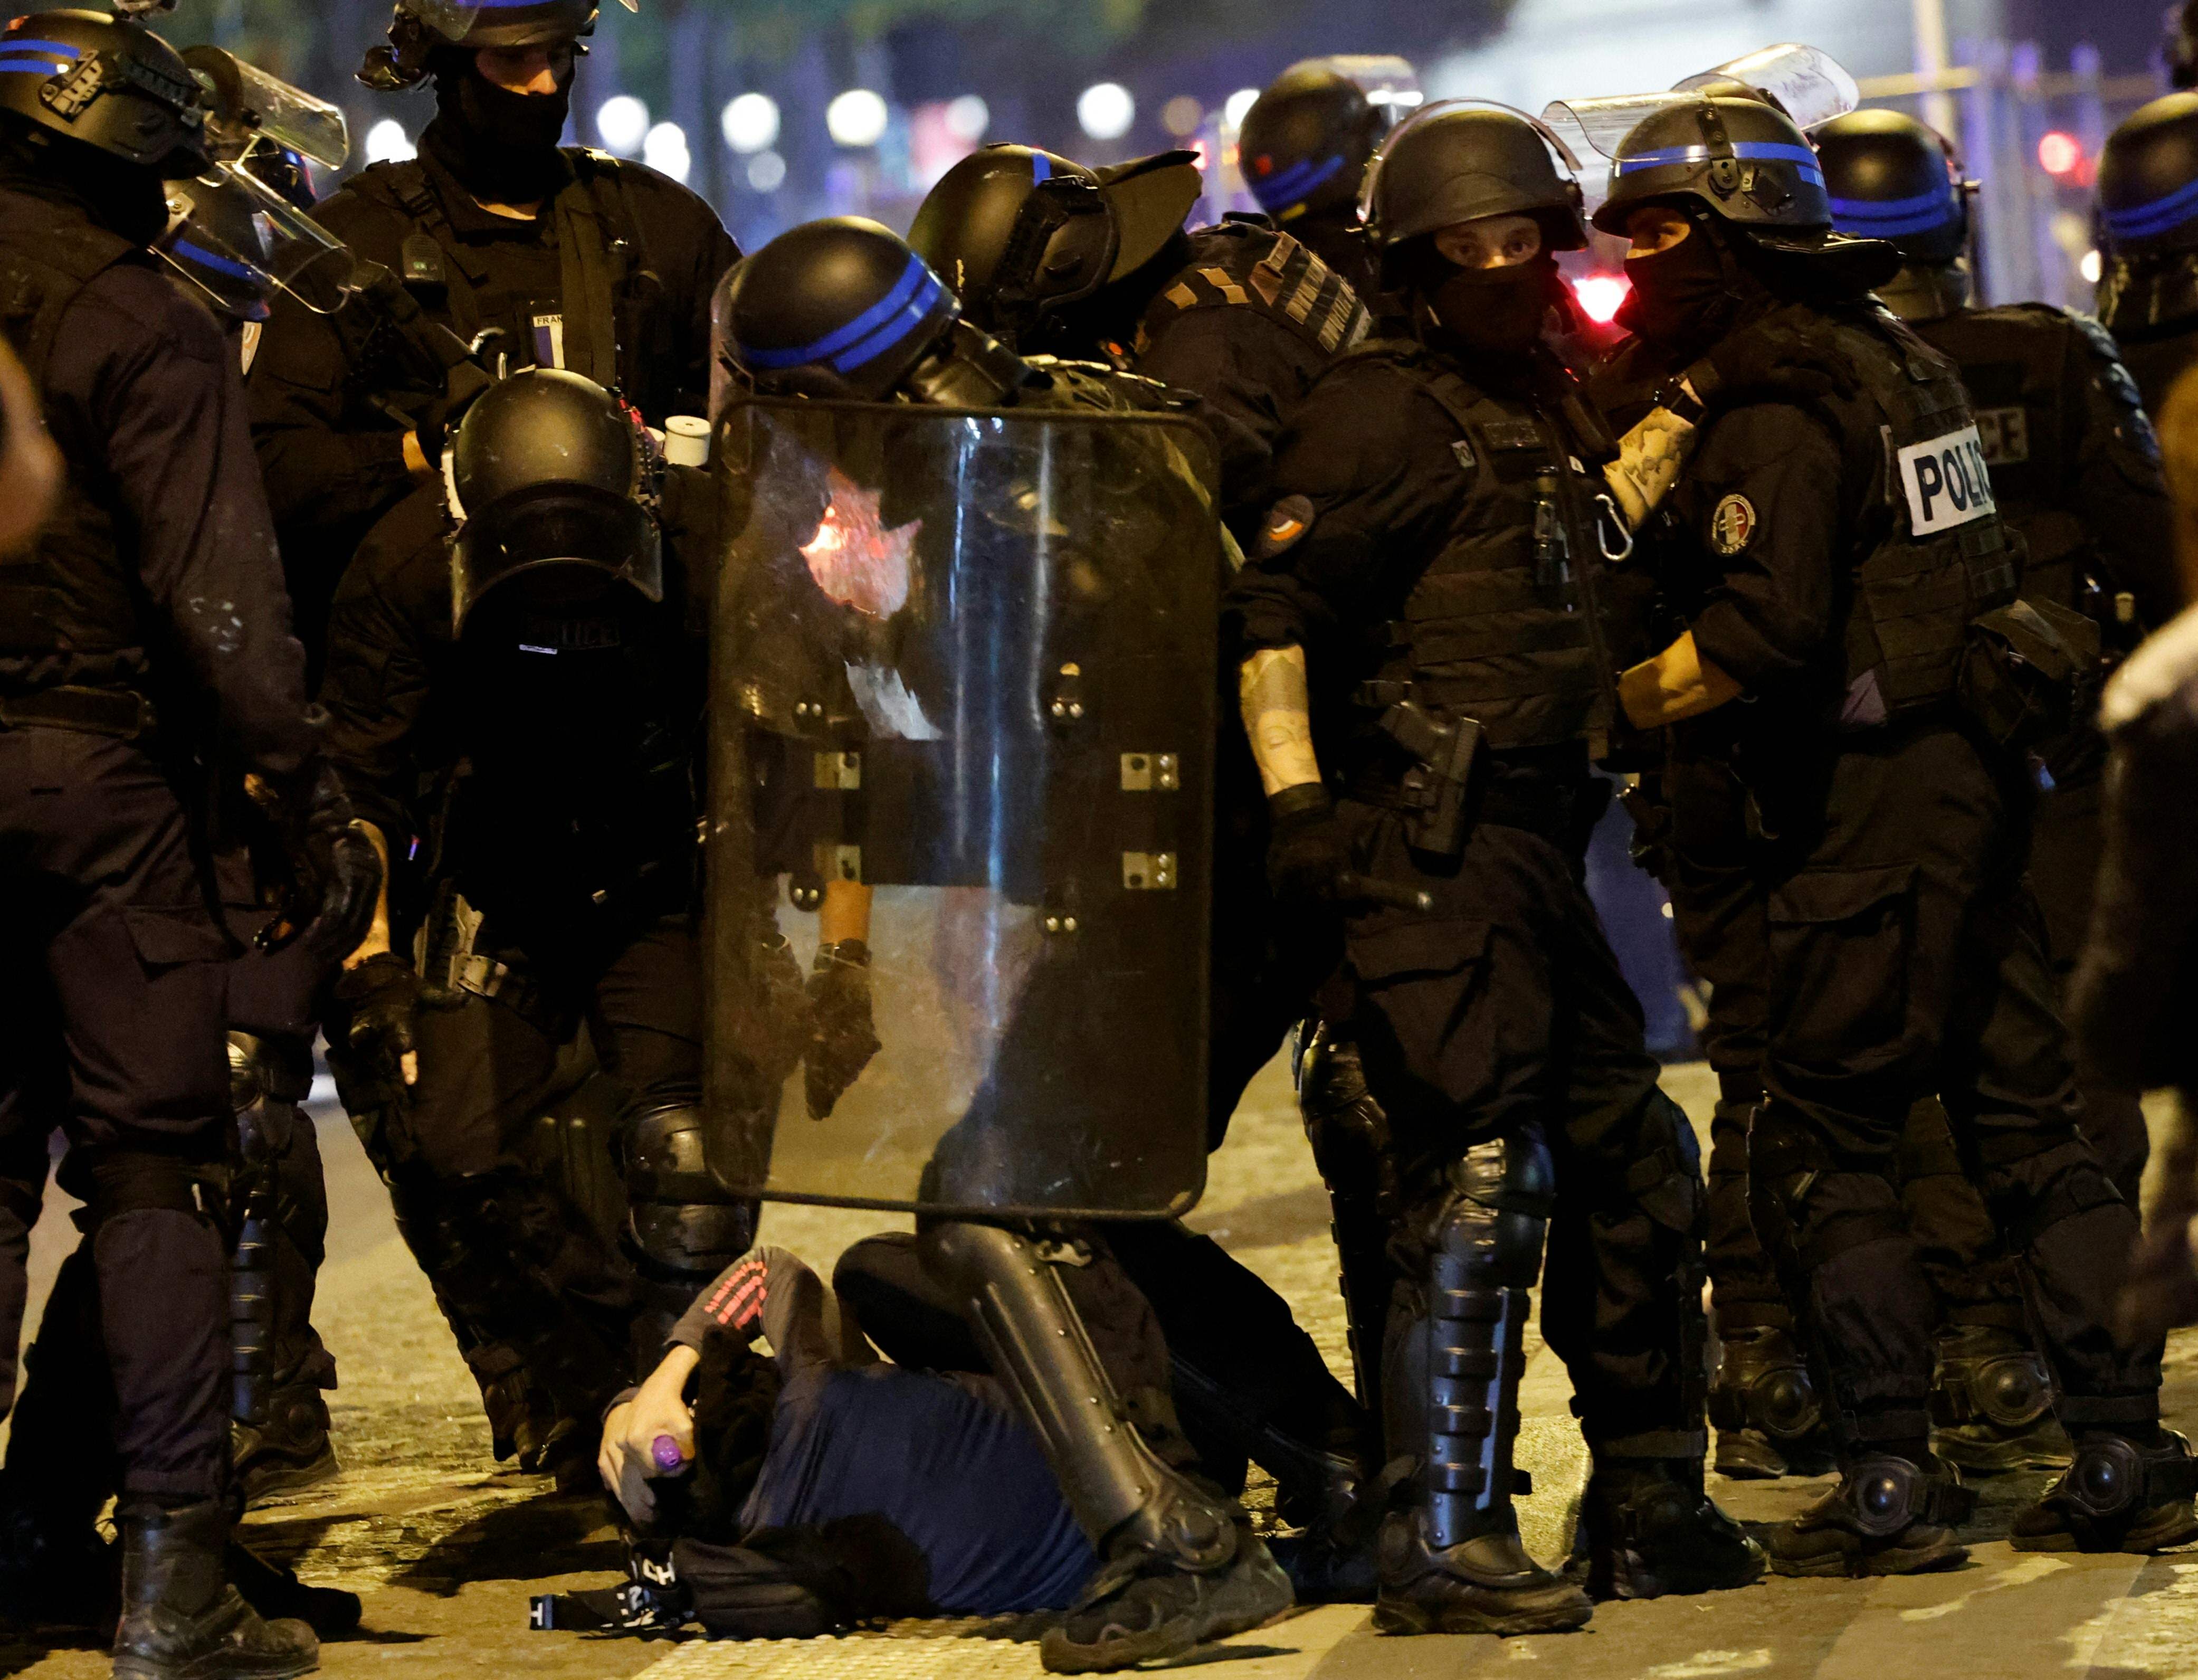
x=1418 y=982
x=1841 y=941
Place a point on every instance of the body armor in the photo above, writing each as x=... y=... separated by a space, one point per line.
x=68 y=602
x=1247 y=264
x=1497 y=627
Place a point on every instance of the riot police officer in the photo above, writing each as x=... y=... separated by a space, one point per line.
x=1849 y=573
x=843 y=644
x=2148 y=287
x=1303 y=150
x=115 y=682
x=1424 y=680
x=541 y=256
x=514 y=684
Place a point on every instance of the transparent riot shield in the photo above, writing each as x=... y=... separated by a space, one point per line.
x=963 y=701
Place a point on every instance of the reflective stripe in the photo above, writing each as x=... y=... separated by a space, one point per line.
x=1297 y=182
x=205 y=259
x=1888 y=218
x=870 y=333
x=1768 y=151
x=2159 y=216
x=55 y=48
x=1041 y=168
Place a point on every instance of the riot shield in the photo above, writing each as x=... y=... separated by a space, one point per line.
x=963 y=691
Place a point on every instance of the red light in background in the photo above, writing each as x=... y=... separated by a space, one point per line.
x=1599 y=296
x=2060 y=154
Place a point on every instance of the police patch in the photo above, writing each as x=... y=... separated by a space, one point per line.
x=1733 y=525
x=1288 y=521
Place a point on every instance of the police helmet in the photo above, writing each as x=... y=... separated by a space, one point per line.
x=840 y=307
x=421 y=27
x=1460 y=160
x=239 y=241
x=1019 y=233
x=1306 y=142
x=2149 y=178
x=1890 y=176
x=106 y=83
x=1742 y=160
x=549 y=473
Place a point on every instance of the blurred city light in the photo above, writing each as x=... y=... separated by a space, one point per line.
x=622 y=123
x=1105 y=110
x=387 y=142
x=1239 y=107
x=750 y=121
x=2089 y=265
x=856 y=119
x=2060 y=154
x=766 y=171
x=968 y=118
x=1599 y=296
x=1181 y=115
x=665 y=149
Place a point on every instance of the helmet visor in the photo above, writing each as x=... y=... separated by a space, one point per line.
x=251 y=105
x=557 y=545
x=1808 y=84
x=238 y=243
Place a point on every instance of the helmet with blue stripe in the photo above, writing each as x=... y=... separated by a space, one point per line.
x=1742 y=160
x=1306 y=143
x=840 y=307
x=105 y=82
x=2149 y=178
x=1890 y=176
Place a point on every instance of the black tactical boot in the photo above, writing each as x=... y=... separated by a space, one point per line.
x=2116 y=1496
x=1765 y=1407
x=288 y=1451
x=276 y=1591
x=1486 y=1585
x=1992 y=1404
x=181 y=1619
x=1646 y=1528
x=1887 y=1516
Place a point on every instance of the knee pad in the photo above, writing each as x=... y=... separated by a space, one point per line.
x=680 y=1218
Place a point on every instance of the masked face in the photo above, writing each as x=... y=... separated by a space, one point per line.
x=1501 y=310
x=500 y=115
x=1681 y=288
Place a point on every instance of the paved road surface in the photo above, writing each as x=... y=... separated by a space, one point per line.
x=446 y=1551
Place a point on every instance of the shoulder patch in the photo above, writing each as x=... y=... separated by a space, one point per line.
x=1286 y=526
x=1733 y=525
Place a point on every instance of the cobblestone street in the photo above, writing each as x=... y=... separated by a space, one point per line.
x=446 y=1551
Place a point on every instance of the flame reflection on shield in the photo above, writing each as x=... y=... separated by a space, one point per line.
x=856 y=558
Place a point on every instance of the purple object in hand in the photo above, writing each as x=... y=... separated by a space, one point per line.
x=666 y=1451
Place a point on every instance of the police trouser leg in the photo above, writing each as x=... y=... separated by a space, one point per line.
x=1355 y=1152
x=1122 y=1495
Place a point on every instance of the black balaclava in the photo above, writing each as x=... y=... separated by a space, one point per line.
x=1496 y=312
x=1686 y=296
x=125 y=198
x=502 y=146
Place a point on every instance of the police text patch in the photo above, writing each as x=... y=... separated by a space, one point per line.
x=1733 y=525
x=1946 y=481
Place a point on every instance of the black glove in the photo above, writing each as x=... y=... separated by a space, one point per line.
x=784 y=1004
x=375 y=1003
x=333 y=872
x=1784 y=355
x=841 y=1037
x=1308 y=848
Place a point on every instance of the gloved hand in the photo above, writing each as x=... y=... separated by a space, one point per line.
x=1779 y=356
x=377 y=1000
x=782 y=1033
x=842 y=1038
x=1308 y=848
x=333 y=874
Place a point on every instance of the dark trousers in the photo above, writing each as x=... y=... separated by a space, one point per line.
x=119 y=973
x=1907 y=958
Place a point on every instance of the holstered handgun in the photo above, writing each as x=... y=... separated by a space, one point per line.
x=1438 y=785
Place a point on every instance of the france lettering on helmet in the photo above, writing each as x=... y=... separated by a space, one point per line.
x=105 y=82
x=2149 y=178
x=1740 y=160
x=1890 y=176
x=840 y=307
x=1306 y=142
x=1460 y=160
x=1019 y=233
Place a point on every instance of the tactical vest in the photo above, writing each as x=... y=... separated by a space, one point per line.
x=73 y=591
x=2015 y=359
x=1497 y=625
x=1934 y=553
x=1247 y=265
x=600 y=257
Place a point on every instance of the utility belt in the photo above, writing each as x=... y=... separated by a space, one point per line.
x=123 y=714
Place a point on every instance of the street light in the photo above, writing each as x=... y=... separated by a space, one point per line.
x=387 y=142
x=750 y=122
x=622 y=123
x=856 y=119
x=1240 y=107
x=665 y=150
x=968 y=118
x=1105 y=110
x=766 y=171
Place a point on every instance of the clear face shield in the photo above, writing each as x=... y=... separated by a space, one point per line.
x=240 y=243
x=255 y=113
